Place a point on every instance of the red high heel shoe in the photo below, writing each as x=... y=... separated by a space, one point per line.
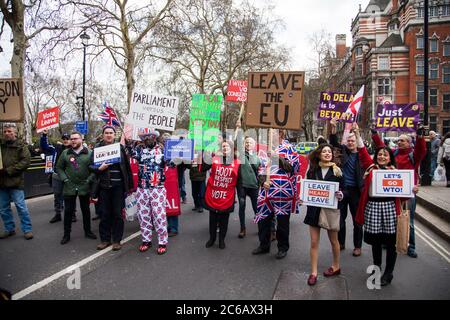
x=330 y=272
x=312 y=280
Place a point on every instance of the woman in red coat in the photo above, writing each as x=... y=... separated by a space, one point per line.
x=378 y=215
x=220 y=191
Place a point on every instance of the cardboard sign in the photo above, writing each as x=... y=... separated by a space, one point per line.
x=11 y=99
x=397 y=117
x=109 y=154
x=334 y=104
x=319 y=193
x=49 y=164
x=182 y=149
x=392 y=183
x=204 y=123
x=237 y=91
x=47 y=119
x=153 y=111
x=275 y=100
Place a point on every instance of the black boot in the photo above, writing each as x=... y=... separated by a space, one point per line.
x=56 y=218
x=386 y=279
x=65 y=239
x=221 y=243
x=210 y=243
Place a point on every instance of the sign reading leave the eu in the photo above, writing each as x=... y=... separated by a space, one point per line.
x=319 y=193
x=107 y=154
x=181 y=149
x=397 y=117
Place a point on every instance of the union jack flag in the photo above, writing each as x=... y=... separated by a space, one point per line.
x=109 y=116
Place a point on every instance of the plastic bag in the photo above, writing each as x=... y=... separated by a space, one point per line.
x=439 y=173
x=131 y=207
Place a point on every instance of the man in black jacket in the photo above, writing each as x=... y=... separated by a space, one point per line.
x=114 y=182
x=353 y=183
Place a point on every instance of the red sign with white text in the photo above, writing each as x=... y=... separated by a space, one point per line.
x=237 y=91
x=47 y=119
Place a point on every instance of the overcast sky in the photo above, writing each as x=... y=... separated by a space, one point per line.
x=301 y=17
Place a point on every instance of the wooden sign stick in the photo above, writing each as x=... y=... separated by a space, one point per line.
x=269 y=149
x=240 y=116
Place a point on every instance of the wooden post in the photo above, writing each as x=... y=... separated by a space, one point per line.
x=269 y=149
x=239 y=118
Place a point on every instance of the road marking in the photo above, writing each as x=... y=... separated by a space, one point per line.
x=433 y=244
x=67 y=270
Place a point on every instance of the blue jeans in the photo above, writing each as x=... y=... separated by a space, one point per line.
x=412 y=211
x=18 y=197
x=172 y=223
x=433 y=166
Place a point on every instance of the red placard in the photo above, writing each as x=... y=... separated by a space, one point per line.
x=237 y=91
x=172 y=192
x=47 y=119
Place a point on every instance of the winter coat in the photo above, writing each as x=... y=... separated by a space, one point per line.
x=249 y=171
x=442 y=151
x=73 y=169
x=16 y=159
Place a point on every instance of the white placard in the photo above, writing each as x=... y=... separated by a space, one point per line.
x=319 y=193
x=153 y=111
x=109 y=154
x=392 y=183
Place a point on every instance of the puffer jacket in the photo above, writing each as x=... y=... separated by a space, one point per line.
x=15 y=159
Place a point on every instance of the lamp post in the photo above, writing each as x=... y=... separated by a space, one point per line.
x=84 y=39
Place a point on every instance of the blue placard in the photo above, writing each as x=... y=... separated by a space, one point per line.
x=81 y=127
x=182 y=149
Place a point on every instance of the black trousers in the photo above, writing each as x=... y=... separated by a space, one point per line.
x=69 y=211
x=351 y=199
x=447 y=170
x=391 y=256
x=111 y=202
x=218 y=220
x=242 y=195
x=198 y=192
x=265 y=228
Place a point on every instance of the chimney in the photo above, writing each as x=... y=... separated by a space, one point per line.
x=341 y=46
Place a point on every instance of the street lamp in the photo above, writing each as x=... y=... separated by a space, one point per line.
x=84 y=39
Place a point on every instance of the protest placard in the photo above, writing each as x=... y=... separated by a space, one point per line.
x=49 y=164
x=334 y=104
x=47 y=119
x=108 y=154
x=181 y=149
x=172 y=192
x=392 y=183
x=397 y=117
x=11 y=99
x=275 y=100
x=237 y=91
x=319 y=193
x=204 y=123
x=153 y=111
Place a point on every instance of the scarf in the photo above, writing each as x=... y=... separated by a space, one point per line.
x=376 y=167
x=336 y=170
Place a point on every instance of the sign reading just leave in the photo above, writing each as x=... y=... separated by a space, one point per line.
x=275 y=100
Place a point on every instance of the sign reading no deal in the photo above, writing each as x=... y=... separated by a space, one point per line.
x=319 y=193
x=47 y=119
x=392 y=183
x=237 y=91
x=153 y=111
x=275 y=100
x=108 y=154
x=11 y=99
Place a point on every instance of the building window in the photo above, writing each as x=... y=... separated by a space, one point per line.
x=433 y=123
x=419 y=93
x=446 y=50
x=446 y=10
x=383 y=63
x=358 y=51
x=419 y=67
x=419 y=42
x=446 y=101
x=446 y=73
x=359 y=70
x=434 y=70
x=420 y=12
x=433 y=97
x=384 y=86
x=433 y=11
x=433 y=45
x=445 y=126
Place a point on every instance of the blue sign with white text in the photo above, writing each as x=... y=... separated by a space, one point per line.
x=81 y=127
x=182 y=149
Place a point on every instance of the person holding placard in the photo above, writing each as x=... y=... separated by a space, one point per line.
x=378 y=215
x=408 y=157
x=322 y=167
x=115 y=180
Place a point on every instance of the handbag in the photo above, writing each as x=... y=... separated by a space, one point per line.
x=329 y=219
x=403 y=231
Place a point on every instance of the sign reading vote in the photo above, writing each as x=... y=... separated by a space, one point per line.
x=275 y=100
x=47 y=119
x=319 y=193
x=11 y=99
x=153 y=111
x=392 y=183
x=237 y=91
x=109 y=154
x=181 y=149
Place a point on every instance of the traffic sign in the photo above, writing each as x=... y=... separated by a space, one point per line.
x=81 y=127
